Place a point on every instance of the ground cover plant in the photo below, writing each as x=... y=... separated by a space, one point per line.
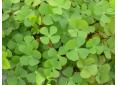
x=58 y=42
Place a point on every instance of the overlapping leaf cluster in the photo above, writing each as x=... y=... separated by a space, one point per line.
x=58 y=42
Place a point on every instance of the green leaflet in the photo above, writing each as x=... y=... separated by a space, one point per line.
x=12 y=81
x=72 y=55
x=93 y=42
x=21 y=82
x=31 y=77
x=5 y=61
x=52 y=73
x=5 y=17
x=83 y=53
x=45 y=9
x=112 y=3
x=5 y=64
x=107 y=53
x=79 y=24
x=39 y=78
x=63 y=81
x=110 y=26
x=68 y=71
x=47 y=20
x=111 y=44
x=71 y=44
x=15 y=1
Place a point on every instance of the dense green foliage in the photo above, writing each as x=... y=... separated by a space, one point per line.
x=58 y=42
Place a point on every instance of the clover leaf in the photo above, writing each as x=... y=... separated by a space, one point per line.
x=54 y=63
x=55 y=58
x=88 y=67
x=22 y=13
x=71 y=44
x=20 y=72
x=28 y=60
x=89 y=71
x=31 y=55
x=77 y=33
x=104 y=74
x=29 y=45
x=12 y=25
x=72 y=49
x=49 y=35
x=45 y=9
x=75 y=79
x=78 y=23
x=93 y=42
x=47 y=20
x=97 y=49
x=51 y=73
x=16 y=79
x=59 y=5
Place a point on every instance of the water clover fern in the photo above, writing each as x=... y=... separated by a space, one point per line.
x=58 y=42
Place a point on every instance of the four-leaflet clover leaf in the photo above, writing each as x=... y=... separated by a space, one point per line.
x=103 y=75
x=74 y=51
x=88 y=67
x=54 y=62
x=28 y=48
x=71 y=78
x=58 y=5
x=71 y=49
x=49 y=35
x=19 y=73
x=57 y=58
x=89 y=71
x=94 y=45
